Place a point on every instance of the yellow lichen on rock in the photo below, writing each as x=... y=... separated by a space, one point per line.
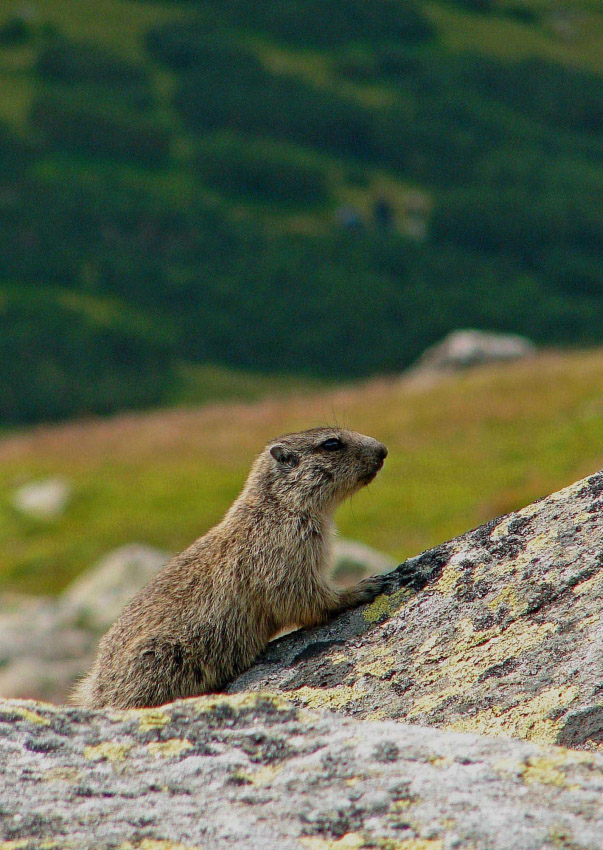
x=355 y=841
x=13 y=707
x=331 y=698
x=264 y=775
x=528 y=720
x=377 y=662
x=349 y=841
x=512 y=569
x=62 y=774
x=151 y=718
x=508 y=598
x=385 y=606
x=20 y=843
x=475 y=651
x=545 y=770
x=549 y=768
x=591 y=587
x=449 y=578
x=151 y=844
x=107 y=751
x=169 y=749
x=241 y=701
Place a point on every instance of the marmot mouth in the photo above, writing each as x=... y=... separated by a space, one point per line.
x=370 y=476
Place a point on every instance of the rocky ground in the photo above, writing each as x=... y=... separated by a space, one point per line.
x=499 y=633
x=256 y=772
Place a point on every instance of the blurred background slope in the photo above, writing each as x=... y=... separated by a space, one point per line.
x=301 y=188
x=232 y=200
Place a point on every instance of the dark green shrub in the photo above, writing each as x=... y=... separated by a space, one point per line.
x=71 y=125
x=518 y=222
x=15 y=31
x=329 y=23
x=242 y=170
x=523 y=14
x=15 y=154
x=58 y=359
x=283 y=107
x=73 y=62
x=476 y=5
x=312 y=23
x=553 y=94
x=182 y=45
x=105 y=77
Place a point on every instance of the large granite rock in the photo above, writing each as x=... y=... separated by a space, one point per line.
x=499 y=632
x=256 y=772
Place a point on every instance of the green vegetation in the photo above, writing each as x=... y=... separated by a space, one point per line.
x=171 y=175
x=260 y=174
x=462 y=450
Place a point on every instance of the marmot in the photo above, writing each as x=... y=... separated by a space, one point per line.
x=211 y=610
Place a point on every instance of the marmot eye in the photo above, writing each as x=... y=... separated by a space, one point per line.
x=333 y=444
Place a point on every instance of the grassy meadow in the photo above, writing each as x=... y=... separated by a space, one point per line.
x=463 y=449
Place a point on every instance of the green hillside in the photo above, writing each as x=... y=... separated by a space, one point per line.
x=301 y=188
x=463 y=450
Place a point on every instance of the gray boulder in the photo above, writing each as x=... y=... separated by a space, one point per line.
x=353 y=561
x=256 y=773
x=43 y=500
x=99 y=595
x=45 y=644
x=465 y=348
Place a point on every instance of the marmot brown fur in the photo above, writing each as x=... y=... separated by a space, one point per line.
x=211 y=610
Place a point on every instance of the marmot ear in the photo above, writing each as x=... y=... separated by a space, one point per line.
x=284 y=455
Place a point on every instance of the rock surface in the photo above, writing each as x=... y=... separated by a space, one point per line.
x=499 y=631
x=466 y=348
x=255 y=772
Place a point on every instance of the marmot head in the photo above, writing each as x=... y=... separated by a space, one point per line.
x=318 y=468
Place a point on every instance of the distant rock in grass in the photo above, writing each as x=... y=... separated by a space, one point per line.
x=45 y=644
x=46 y=499
x=466 y=348
x=97 y=597
x=353 y=561
x=41 y=654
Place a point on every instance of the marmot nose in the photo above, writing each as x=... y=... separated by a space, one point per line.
x=381 y=451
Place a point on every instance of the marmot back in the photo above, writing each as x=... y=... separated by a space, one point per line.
x=211 y=610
